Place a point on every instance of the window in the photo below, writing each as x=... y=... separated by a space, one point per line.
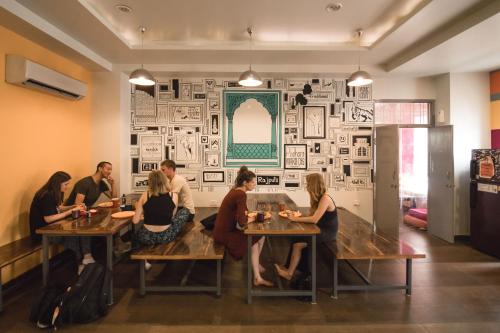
x=403 y=113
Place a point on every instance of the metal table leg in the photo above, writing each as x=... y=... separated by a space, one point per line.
x=45 y=259
x=219 y=277
x=408 y=277
x=313 y=269
x=142 y=277
x=109 y=264
x=335 y=277
x=249 y=269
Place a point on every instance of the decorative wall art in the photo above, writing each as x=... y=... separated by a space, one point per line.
x=191 y=120
x=314 y=121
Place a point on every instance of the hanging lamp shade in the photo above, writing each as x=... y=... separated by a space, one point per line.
x=250 y=78
x=141 y=77
x=359 y=78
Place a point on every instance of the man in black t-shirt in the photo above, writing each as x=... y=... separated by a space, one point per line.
x=87 y=190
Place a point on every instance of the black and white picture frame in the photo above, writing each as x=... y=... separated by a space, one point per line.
x=212 y=159
x=204 y=139
x=314 y=117
x=216 y=176
x=295 y=156
x=186 y=91
x=214 y=124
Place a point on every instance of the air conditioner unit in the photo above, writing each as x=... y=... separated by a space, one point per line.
x=26 y=73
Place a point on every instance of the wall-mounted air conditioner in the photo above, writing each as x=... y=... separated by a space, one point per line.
x=26 y=73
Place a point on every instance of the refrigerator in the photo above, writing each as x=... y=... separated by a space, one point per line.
x=485 y=201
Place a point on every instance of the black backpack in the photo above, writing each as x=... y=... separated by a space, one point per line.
x=82 y=303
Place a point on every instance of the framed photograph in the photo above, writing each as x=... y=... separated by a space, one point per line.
x=314 y=121
x=214 y=176
x=212 y=159
x=295 y=156
x=185 y=113
x=214 y=123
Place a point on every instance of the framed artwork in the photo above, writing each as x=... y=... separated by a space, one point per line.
x=139 y=182
x=291 y=119
x=192 y=177
x=199 y=96
x=359 y=113
x=317 y=162
x=186 y=148
x=314 y=117
x=214 y=144
x=212 y=159
x=209 y=84
x=214 y=124
x=213 y=104
x=204 y=139
x=186 y=91
x=295 y=156
x=151 y=147
x=365 y=93
x=148 y=166
x=185 y=113
x=197 y=87
x=214 y=176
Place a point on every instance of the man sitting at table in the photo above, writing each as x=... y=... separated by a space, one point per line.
x=87 y=190
x=178 y=184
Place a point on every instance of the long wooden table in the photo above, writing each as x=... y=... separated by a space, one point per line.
x=278 y=227
x=100 y=224
x=356 y=240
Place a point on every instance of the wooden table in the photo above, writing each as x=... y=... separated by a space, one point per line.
x=100 y=224
x=356 y=240
x=278 y=227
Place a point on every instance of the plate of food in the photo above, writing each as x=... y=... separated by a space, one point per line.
x=123 y=215
x=267 y=215
x=290 y=213
x=106 y=204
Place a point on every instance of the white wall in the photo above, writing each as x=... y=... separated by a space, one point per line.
x=470 y=117
x=404 y=88
x=442 y=103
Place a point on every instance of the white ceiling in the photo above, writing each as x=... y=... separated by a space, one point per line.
x=401 y=37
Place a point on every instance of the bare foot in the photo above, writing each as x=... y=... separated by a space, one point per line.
x=262 y=282
x=283 y=272
x=262 y=269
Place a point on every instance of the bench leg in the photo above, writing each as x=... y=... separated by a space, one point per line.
x=335 y=277
x=142 y=277
x=313 y=269
x=109 y=264
x=45 y=259
x=249 y=269
x=408 y=277
x=219 y=278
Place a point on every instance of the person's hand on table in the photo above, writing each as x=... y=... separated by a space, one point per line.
x=251 y=219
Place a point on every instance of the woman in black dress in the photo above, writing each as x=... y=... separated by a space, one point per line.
x=323 y=214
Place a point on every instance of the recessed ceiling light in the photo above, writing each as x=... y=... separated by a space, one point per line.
x=334 y=7
x=124 y=8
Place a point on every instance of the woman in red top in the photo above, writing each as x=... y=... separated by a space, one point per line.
x=232 y=219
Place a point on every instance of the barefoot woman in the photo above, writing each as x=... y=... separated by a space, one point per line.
x=232 y=218
x=323 y=214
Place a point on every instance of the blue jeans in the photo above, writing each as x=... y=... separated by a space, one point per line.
x=148 y=237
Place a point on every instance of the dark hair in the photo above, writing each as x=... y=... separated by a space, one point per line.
x=244 y=175
x=101 y=164
x=53 y=186
x=168 y=164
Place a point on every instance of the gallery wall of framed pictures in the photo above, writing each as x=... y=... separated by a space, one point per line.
x=322 y=126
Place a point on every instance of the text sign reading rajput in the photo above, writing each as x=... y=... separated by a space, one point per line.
x=268 y=180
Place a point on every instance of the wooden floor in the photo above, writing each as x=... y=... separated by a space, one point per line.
x=455 y=289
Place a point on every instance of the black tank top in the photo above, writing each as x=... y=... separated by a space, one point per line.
x=158 y=210
x=329 y=219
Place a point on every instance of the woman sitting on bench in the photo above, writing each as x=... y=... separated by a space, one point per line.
x=47 y=207
x=232 y=218
x=162 y=221
x=324 y=214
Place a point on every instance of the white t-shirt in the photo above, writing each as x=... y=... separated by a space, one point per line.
x=179 y=185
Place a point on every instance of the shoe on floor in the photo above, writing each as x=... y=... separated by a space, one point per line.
x=147 y=265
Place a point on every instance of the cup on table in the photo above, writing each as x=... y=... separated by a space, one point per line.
x=75 y=213
x=282 y=206
x=260 y=217
x=116 y=202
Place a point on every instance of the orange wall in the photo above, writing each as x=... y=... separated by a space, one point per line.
x=40 y=134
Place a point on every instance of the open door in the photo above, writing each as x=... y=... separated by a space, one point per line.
x=386 y=214
x=440 y=218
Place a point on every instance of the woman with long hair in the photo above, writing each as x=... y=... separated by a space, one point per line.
x=323 y=213
x=162 y=220
x=232 y=219
x=47 y=208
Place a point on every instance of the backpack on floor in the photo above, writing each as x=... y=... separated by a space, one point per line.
x=42 y=310
x=86 y=301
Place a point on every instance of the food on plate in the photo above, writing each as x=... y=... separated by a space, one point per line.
x=106 y=204
x=290 y=213
x=252 y=214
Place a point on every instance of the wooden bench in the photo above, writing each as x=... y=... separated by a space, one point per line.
x=193 y=243
x=15 y=251
x=357 y=241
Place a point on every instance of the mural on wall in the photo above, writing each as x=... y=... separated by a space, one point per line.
x=283 y=132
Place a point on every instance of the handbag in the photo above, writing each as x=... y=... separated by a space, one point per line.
x=209 y=222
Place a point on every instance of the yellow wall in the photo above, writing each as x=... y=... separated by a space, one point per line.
x=40 y=134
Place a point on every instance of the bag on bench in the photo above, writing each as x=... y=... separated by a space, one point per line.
x=209 y=222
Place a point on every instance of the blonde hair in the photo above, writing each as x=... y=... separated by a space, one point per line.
x=316 y=188
x=158 y=183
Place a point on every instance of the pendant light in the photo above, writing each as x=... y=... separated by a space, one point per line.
x=250 y=78
x=359 y=78
x=141 y=76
